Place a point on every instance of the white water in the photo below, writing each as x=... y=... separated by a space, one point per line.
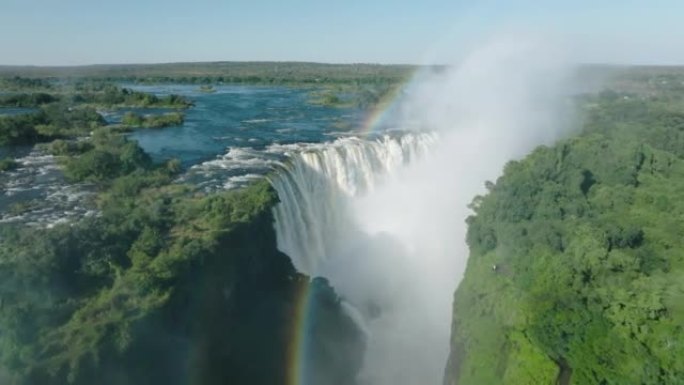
x=38 y=183
x=384 y=221
x=317 y=225
x=318 y=186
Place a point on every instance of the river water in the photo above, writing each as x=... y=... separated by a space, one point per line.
x=228 y=138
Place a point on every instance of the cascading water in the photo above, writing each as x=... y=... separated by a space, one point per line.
x=384 y=220
x=317 y=227
x=316 y=187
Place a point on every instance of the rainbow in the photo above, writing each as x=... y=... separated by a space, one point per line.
x=305 y=311
x=377 y=116
x=299 y=344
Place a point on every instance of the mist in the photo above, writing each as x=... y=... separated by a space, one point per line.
x=384 y=220
x=504 y=99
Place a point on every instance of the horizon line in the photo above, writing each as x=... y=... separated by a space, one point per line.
x=55 y=66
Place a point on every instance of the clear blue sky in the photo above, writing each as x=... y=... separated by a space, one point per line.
x=47 y=32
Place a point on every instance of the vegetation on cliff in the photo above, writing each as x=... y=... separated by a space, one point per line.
x=576 y=274
x=164 y=285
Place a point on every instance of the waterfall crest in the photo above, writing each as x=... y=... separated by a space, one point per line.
x=315 y=189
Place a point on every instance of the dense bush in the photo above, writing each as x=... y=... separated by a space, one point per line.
x=110 y=95
x=53 y=121
x=132 y=119
x=106 y=156
x=8 y=164
x=21 y=129
x=61 y=147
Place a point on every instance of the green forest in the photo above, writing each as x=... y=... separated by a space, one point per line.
x=576 y=269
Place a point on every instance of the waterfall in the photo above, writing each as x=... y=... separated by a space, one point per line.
x=387 y=231
x=321 y=224
x=316 y=187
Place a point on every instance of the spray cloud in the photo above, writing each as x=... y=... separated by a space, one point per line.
x=399 y=250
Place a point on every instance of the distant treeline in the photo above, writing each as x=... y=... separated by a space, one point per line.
x=222 y=72
x=589 y=78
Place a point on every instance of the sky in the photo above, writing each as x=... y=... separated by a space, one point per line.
x=76 y=32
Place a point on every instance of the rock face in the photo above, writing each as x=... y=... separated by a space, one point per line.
x=586 y=240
